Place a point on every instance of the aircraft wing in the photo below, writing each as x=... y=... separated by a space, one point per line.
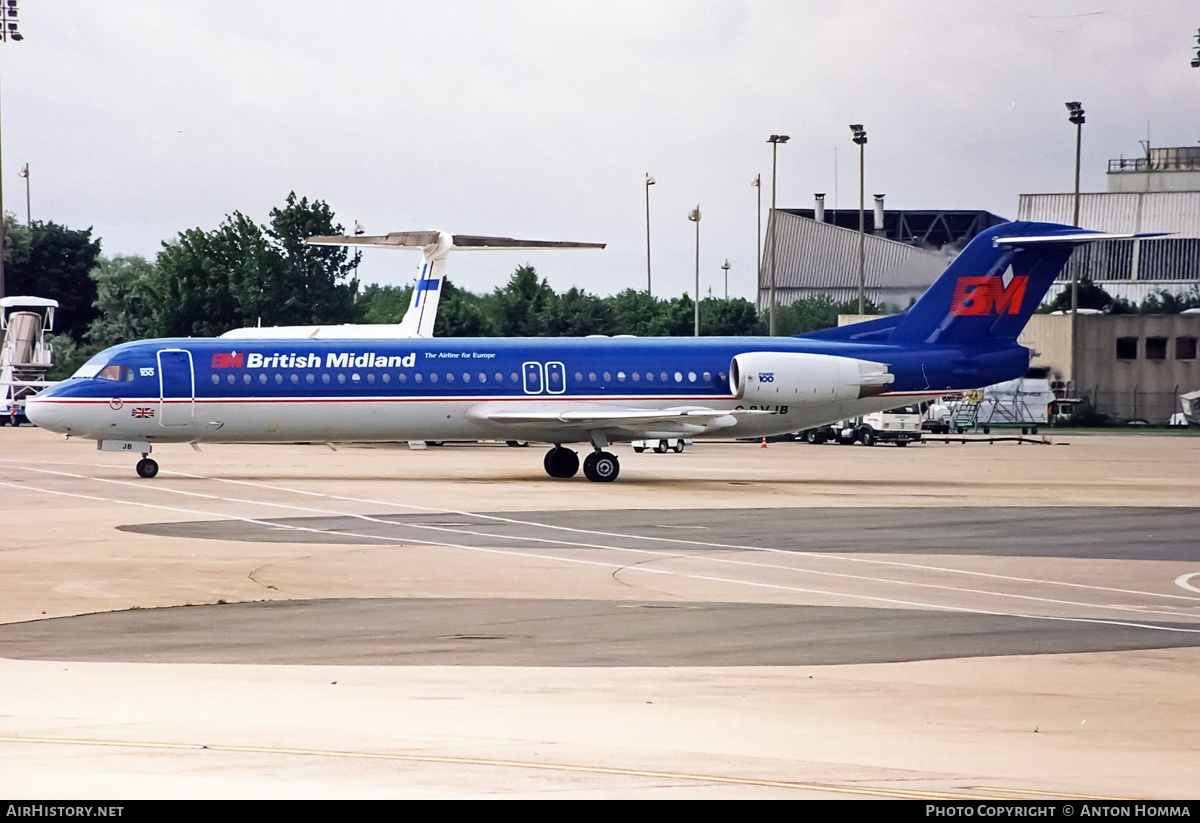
x=647 y=422
x=460 y=242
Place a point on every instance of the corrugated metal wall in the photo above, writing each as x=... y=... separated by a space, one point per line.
x=1172 y=211
x=824 y=257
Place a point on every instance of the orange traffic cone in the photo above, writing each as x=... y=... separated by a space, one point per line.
x=764 y=443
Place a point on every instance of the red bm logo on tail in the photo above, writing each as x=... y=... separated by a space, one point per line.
x=988 y=295
x=228 y=360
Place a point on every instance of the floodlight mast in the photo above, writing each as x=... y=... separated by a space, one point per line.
x=9 y=30
x=1075 y=116
x=859 y=136
x=774 y=140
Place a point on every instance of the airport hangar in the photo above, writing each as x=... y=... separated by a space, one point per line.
x=1132 y=367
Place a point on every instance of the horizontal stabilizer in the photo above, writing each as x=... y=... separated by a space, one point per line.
x=1072 y=239
x=464 y=242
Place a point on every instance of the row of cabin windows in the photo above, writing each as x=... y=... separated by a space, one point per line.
x=1156 y=348
x=554 y=377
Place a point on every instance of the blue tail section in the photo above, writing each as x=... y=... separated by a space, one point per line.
x=985 y=297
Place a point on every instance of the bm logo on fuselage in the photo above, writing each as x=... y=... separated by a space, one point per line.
x=988 y=295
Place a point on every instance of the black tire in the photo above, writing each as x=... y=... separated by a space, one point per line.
x=1033 y=430
x=987 y=429
x=147 y=468
x=561 y=463
x=679 y=447
x=660 y=447
x=867 y=436
x=811 y=438
x=516 y=444
x=601 y=467
x=901 y=442
x=639 y=449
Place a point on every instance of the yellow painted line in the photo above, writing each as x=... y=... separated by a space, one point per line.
x=518 y=764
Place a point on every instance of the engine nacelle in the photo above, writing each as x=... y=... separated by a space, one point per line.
x=795 y=377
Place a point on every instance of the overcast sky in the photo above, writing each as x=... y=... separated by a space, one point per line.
x=539 y=120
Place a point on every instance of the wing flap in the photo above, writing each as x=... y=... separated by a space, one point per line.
x=690 y=420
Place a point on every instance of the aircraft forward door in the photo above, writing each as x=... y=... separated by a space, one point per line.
x=176 y=387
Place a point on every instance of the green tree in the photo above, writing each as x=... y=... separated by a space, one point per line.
x=634 y=312
x=243 y=274
x=578 y=314
x=206 y=280
x=1163 y=302
x=122 y=286
x=731 y=318
x=46 y=259
x=1091 y=296
x=316 y=283
x=384 y=304
x=814 y=313
x=463 y=314
x=524 y=306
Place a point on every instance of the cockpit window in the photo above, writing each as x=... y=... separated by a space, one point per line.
x=91 y=368
x=115 y=372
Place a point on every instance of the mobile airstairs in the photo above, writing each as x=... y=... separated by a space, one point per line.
x=25 y=355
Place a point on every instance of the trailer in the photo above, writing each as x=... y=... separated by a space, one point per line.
x=25 y=354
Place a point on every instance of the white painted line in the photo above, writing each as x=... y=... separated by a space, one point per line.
x=1182 y=582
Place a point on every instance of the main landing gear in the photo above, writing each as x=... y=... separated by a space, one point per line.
x=599 y=466
x=561 y=462
x=146 y=467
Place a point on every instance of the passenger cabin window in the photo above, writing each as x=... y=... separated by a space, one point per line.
x=1127 y=348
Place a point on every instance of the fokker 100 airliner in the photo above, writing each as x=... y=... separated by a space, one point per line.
x=961 y=334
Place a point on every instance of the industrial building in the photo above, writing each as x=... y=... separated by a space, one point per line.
x=1157 y=192
x=1132 y=367
x=816 y=251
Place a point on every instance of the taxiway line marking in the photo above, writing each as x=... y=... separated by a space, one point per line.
x=498 y=763
x=605 y=564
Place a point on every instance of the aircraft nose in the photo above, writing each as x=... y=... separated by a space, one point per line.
x=45 y=414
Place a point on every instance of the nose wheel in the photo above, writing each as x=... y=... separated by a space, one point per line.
x=147 y=468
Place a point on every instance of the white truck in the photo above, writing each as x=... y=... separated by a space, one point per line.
x=900 y=426
x=25 y=356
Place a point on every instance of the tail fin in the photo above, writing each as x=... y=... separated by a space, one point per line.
x=987 y=295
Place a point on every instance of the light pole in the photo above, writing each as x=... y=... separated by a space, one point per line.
x=757 y=183
x=726 y=267
x=28 y=212
x=694 y=216
x=860 y=139
x=649 y=183
x=8 y=31
x=774 y=140
x=1075 y=115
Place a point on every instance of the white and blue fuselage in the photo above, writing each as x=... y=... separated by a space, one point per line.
x=548 y=390
x=961 y=334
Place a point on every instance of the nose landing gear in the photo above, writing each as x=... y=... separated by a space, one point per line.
x=146 y=467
